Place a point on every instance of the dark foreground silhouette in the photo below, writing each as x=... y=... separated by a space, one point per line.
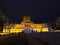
x=20 y=39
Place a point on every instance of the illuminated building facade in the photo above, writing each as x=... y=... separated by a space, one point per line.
x=25 y=25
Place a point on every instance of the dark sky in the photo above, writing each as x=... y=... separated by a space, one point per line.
x=38 y=9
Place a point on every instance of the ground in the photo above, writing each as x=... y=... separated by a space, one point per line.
x=20 y=39
x=47 y=38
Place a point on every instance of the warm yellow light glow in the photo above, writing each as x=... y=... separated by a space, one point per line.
x=17 y=26
x=28 y=24
x=12 y=30
x=45 y=30
x=16 y=30
x=6 y=31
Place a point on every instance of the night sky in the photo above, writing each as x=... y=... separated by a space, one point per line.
x=38 y=9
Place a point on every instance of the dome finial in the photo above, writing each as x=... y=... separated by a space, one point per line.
x=26 y=12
